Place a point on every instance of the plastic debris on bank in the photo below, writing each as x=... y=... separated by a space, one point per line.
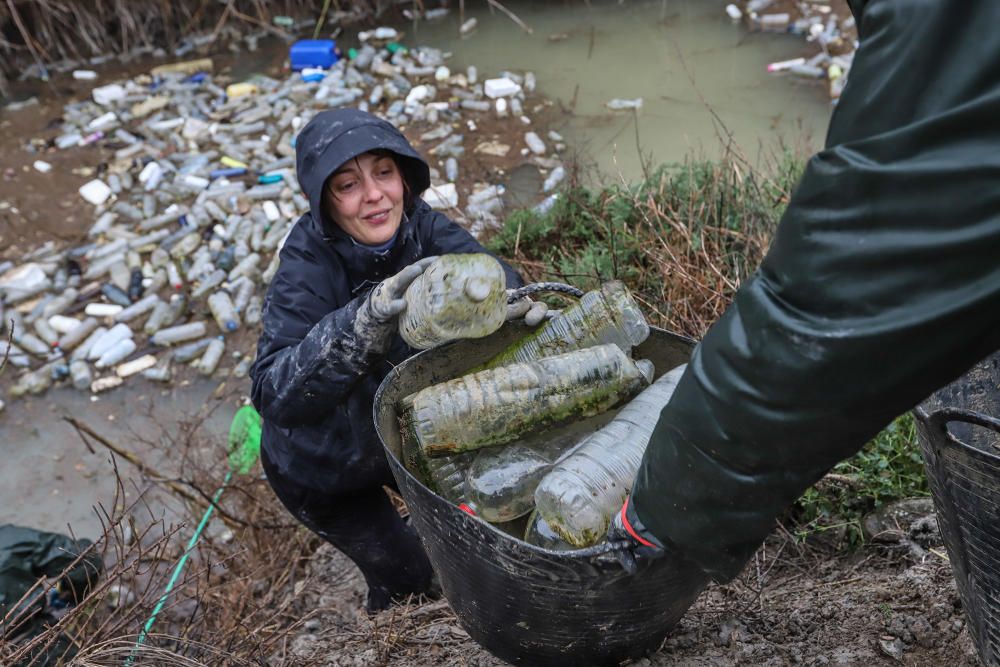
x=200 y=192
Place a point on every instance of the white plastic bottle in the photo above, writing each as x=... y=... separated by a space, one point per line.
x=580 y=495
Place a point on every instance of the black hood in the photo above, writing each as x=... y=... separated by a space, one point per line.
x=333 y=137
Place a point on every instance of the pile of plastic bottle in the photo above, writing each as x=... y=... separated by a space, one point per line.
x=200 y=195
x=820 y=24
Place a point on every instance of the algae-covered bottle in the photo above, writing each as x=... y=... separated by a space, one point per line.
x=458 y=296
x=609 y=315
x=578 y=497
x=540 y=533
x=500 y=405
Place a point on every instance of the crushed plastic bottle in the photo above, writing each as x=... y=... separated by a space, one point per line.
x=580 y=495
x=497 y=406
x=458 y=296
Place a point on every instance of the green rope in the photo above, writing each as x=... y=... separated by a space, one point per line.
x=177 y=571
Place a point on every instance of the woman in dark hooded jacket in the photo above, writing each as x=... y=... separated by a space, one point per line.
x=329 y=338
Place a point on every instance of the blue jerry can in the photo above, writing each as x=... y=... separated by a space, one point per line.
x=313 y=53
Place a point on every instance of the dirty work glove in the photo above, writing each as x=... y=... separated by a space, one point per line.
x=376 y=318
x=533 y=312
x=630 y=540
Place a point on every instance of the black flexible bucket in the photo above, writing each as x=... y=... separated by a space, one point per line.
x=525 y=604
x=960 y=439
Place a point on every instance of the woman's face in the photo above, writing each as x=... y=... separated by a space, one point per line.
x=365 y=198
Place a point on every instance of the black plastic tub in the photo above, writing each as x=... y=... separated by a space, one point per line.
x=525 y=604
x=960 y=439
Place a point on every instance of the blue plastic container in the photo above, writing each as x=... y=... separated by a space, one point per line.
x=312 y=53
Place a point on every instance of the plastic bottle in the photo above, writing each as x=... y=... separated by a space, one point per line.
x=501 y=481
x=34 y=382
x=179 y=334
x=114 y=335
x=81 y=375
x=458 y=296
x=254 y=310
x=554 y=179
x=243 y=289
x=82 y=350
x=607 y=315
x=582 y=492
x=619 y=104
x=534 y=143
x=497 y=406
x=63 y=324
x=116 y=295
x=246 y=267
x=540 y=533
x=60 y=303
x=208 y=283
x=189 y=351
x=45 y=332
x=72 y=339
x=451 y=169
x=210 y=359
x=130 y=368
x=224 y=311
x=140 y=307
x=118 y=352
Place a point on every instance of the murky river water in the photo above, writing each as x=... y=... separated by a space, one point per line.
x=701 y=77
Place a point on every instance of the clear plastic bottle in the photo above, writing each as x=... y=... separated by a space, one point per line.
x=189 y=351
x=497 y=406
x=118 y=352
x=458 y=296
x=140 y=307
x=583 y=491
x=224 y=311
x=213 y=355
x=179 y=334
x=114 y=335
x=600 y=317
x=540 y=533
x=73 y=338
x=81 y=374
x=501 y=481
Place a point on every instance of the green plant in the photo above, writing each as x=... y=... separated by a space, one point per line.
x=888 y=468
x=682 y=240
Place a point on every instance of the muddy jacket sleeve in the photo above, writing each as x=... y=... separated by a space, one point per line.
x=881 y=285
x=309 y=349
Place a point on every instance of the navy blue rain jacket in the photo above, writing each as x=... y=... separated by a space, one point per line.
x=315 y=399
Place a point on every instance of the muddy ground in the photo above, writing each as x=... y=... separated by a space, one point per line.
x=795 y=604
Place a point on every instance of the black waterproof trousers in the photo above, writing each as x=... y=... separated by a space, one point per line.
x=364 y=526
x=882 y=284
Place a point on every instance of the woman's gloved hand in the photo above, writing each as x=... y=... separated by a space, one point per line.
x=533 y=312
x=376 y=319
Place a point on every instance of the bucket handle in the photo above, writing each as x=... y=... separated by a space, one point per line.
x=535 y=288
x=939 y=420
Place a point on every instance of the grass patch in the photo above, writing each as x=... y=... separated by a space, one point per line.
x=888 y=468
